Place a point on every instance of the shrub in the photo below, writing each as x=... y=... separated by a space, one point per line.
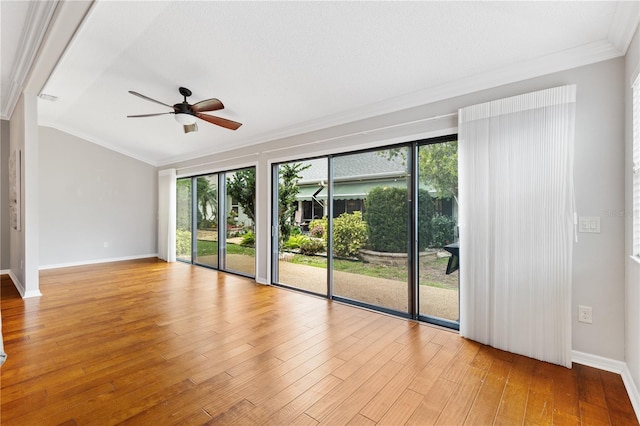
x=248 y=239
x=294 y=242
x=387 y=211
x=442 y=230
x=349 y=234
x=318 y=228
x=425 y=213
x=295 y=230
x=183 y=242
x=311 y=246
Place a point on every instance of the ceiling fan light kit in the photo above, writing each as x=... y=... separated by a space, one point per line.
x=186 y=114
x=184 y=119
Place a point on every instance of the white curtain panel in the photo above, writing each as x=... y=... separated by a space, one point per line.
x=167 y=215
x=516 y=223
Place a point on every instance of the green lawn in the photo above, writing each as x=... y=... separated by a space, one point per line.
x=207 y=248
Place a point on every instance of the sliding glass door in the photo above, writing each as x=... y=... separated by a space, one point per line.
x=438 y=281
x=206 y=219
x=239 y=206
x=219 y=207
x=370 y=228
x=183 y=219
x=376 y=228
x=300 y=224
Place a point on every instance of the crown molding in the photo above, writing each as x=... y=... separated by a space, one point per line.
x=35 y=27
x=624 y=24
x=548 y=64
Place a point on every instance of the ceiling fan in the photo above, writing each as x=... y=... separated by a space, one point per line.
x=186 y=113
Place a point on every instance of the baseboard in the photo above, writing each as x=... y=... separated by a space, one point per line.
x=613 y=366
x=96 y=261
x=5 y=271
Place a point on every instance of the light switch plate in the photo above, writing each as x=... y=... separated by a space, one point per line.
x=589 y=224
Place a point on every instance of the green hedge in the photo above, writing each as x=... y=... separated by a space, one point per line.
x=386 y=214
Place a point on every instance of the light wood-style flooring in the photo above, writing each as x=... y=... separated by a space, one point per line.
x=149 y=343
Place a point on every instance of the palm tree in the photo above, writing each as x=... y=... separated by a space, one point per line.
x=207 y=201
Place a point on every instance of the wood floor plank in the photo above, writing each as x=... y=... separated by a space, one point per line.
x=485 y=407
x=433 y=403
x=145 y=342
x=462 y=398
x=402 y=408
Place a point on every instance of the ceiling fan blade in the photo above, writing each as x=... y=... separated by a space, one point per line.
x=223 y=122
x=190 y=128
x=149 y=115
x=207 y=105
x=149 y=99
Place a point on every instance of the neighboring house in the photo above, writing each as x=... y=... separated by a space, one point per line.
x=353 y=179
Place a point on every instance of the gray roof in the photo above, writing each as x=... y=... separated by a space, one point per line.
x=353 y=166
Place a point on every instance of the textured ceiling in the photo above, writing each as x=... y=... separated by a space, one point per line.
x=286 y=67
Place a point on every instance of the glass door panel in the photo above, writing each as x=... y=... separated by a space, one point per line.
x=206 y=218
x=370 y=228
x=183 y=219
x=239 y=218
x=301 y=224
x=437 y=231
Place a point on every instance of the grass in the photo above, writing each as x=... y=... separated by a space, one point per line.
x=210 y=248
x=432 y=270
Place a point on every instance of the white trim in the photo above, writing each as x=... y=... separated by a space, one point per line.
x=635 y=258
x=614 y=366
x=20 y=287
x=36 y=25
x=5 y=271
x=597 y=361
x=623 y=25
x=96 y=261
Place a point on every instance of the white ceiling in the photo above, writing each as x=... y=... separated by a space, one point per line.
x=283 y=68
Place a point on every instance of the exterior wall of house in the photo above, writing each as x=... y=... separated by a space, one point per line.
x=91 y=197
x=632 y=296
x=598 y=279
x=4 y=196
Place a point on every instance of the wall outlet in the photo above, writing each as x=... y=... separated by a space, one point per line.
x=585 y=314
x=106 y=244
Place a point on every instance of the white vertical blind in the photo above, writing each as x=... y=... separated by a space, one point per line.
x=516 y=223
x=636 y=167
x=167 y=215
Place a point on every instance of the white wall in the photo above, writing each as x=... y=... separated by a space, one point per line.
x=90 y=196
x=599 y=259
x=4 y=196
x=24 y=241
x=632 y=335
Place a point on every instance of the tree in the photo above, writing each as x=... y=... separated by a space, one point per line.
x=242 y=187
x=438 y=166
x=287 y=203
x=207 y=201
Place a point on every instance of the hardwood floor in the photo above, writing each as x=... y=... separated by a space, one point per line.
x=150 y=343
